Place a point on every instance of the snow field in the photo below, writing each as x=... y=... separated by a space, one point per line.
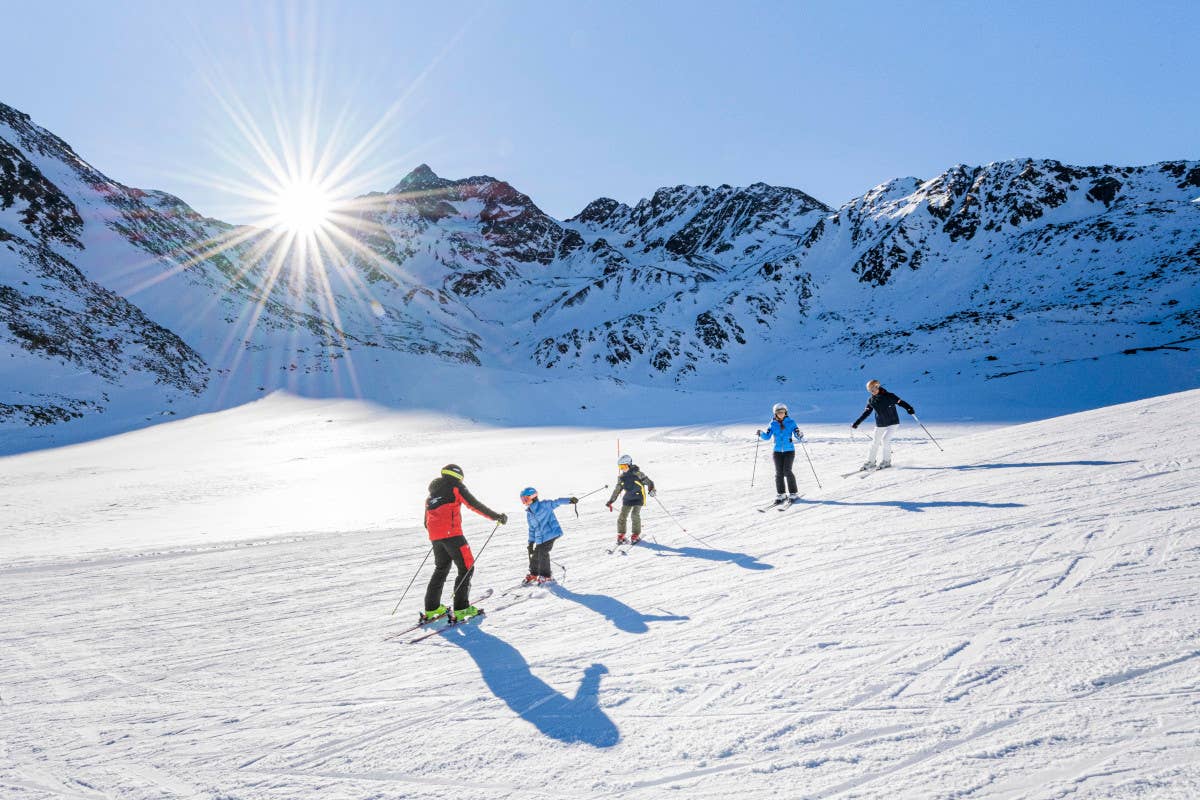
x=200 y=610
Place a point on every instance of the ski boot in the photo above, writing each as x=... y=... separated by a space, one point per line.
x=430 y=616
x=884 y=465
x=530 y=578
x=621 y=539
x=794 y=497
x=464 y=614
x=780 y=499
x=542 y=580
x=637 y=537
x=867 y=467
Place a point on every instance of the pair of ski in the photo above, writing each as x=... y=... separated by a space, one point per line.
x=863 y=473
x=623 y=547
x=780 y=505
x=443 y=618
x=510 y=595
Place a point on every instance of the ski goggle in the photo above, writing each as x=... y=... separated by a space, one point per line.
x=781 y=411
x=528 y=498
x=622 y=467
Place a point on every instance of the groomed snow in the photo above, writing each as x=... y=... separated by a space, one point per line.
x=199 y=610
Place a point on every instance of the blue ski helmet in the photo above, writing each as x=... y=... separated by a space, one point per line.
x=529 y=491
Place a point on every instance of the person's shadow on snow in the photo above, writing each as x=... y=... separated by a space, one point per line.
x=743 y=560
x=622 y=616
x=914 y=505
x=507 y=674
x=1027 y=464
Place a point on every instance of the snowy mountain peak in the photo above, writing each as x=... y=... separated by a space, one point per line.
x=599 y=211
x=977 y=274
x=420 y=179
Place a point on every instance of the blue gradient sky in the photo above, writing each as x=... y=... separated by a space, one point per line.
x=573 y=101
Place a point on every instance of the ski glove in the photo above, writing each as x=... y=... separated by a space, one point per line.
x=502 y=519
x=798 y=434
x=653 y=493
x=531 y=549
x=759 y=432
x=609 y=506
x=853 y=425
x=574 y=500
x=912 y=412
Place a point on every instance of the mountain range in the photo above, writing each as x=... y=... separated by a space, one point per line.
x=126 y=305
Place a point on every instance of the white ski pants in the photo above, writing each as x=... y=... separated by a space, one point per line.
x=882 y=439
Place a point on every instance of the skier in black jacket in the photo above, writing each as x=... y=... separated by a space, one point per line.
x=635 y=484
x=883 y=403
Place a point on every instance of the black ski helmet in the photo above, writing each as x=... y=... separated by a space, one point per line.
x=453 y=471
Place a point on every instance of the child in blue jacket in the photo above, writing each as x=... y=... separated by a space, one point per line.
x=543 y=530
x=783 y=429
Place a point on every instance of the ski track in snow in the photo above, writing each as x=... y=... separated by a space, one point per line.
x=1015 y=617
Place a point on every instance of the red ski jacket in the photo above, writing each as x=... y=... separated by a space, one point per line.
x=443 y=508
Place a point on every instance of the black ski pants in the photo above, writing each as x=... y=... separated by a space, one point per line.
x=539 y=560
x=456 y=551
x=783 y=470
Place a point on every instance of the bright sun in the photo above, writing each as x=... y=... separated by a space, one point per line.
x=302 y=208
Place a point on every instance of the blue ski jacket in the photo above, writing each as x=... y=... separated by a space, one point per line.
x=543 y=525
x=782 y=434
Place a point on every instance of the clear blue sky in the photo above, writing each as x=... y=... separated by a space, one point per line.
x=570 y=101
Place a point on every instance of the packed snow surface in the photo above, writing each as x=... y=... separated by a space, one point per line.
x=202 y=610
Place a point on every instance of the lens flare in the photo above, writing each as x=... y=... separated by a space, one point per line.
x=306 y=283
x=302 y=208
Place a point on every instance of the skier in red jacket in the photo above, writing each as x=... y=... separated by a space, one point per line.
x=443 y=520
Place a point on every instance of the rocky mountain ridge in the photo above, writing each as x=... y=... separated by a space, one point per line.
x=975 y=274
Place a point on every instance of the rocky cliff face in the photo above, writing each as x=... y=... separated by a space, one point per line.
x=1024 y=263
x=977 y=273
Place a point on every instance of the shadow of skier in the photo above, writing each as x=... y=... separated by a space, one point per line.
x=1019 y=465
x=622 y=616
x=912 y=505
x=508 y=676
x=743 y=560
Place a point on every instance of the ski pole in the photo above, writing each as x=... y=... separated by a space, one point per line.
x=414 y=578
x=754 y=471
x=810 y=465
x=927 y=433
x=677 y=522
x=458 y=582
x=561 y=568
x=589 y=494
x=592 y=492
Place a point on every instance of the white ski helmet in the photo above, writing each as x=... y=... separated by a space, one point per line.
x=626 y=460
x=775 y=409
x=872 y=385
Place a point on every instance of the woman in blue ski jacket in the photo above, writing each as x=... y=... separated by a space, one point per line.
x=784 y=431
x=543 y=530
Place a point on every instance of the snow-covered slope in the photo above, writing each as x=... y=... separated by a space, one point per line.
x=200 y=612
x=123 y=307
